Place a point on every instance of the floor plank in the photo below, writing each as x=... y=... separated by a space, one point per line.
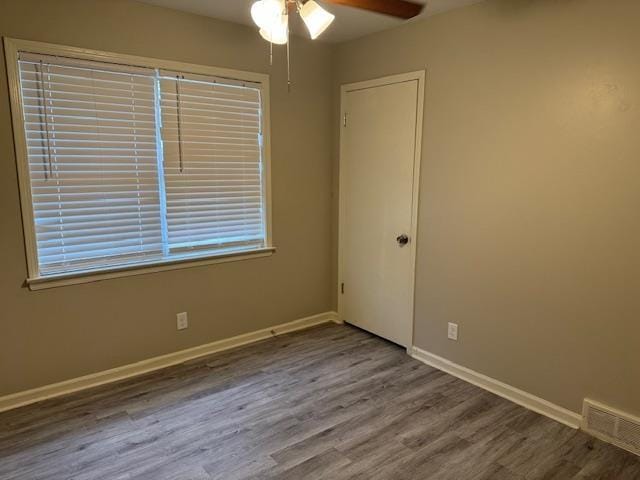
x=332 y=402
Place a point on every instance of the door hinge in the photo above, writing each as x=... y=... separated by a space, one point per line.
x=344 y=120
x=342 y=288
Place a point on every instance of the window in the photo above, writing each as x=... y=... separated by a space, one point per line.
x=212 y=168
x=128 y=163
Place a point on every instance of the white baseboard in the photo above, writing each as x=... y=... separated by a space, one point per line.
x=27 y=397
x=527 y=400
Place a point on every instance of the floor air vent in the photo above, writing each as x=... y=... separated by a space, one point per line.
x=612 y=426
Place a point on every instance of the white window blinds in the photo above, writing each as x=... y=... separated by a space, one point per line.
x=212 y=162
x=133 y=165
x=91 y=139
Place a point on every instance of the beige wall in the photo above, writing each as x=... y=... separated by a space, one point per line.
x=52 y=335
x=529 y=224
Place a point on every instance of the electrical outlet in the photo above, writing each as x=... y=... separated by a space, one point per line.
x=182 y=321
x=453 y=331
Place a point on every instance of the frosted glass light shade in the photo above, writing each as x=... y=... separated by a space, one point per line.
x=267 y=13
x=278 y=32
x=316 y=18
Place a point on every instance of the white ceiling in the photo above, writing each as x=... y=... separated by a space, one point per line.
x=350 y=23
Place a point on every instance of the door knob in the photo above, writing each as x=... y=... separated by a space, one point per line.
x=402 y=240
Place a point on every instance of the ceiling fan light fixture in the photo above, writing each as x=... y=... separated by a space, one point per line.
x=268 y=14
x=316 y=18
x=272 y=18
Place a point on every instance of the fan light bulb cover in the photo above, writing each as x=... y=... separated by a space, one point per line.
x=278 y=33
x=267 y=13
x=316 y=18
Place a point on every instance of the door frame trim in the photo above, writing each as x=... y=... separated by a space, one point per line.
x=420 y=77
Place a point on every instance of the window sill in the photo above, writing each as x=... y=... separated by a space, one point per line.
x=52 y=281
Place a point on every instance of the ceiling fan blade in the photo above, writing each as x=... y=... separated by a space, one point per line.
x=394 y=8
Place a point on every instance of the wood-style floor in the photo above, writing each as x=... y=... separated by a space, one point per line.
x=332 y=402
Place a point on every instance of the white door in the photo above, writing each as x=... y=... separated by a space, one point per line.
x=378 y=197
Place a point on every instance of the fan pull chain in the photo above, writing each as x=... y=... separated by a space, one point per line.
x=179 y=118
x=46 y=164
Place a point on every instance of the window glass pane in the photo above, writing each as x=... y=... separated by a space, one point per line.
x=91 y=139
x=212 y=164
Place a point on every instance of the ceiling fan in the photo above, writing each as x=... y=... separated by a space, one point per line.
x=272 y=16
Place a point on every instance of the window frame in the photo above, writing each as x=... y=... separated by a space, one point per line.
x=34 y=280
